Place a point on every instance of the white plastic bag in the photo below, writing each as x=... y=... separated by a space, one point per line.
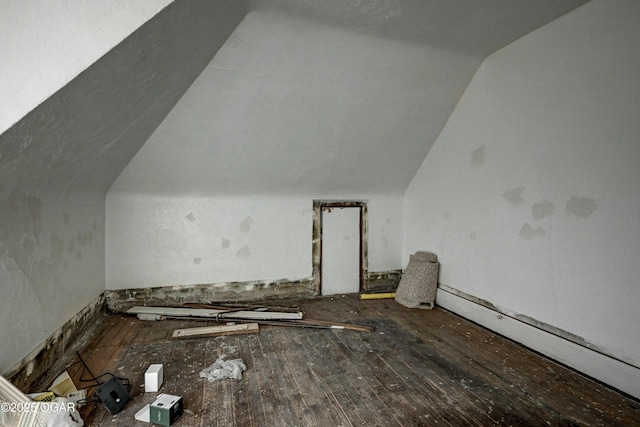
x=62 y=413
x=224 y=369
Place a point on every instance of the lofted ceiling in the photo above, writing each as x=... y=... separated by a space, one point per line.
x=325 y=97
x=465 y=26
x=329 y=97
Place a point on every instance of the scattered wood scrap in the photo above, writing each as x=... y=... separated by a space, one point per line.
x=319 y=324
x=306 y=323
x=242 y=315
x=215 y=314
x=236 y=306
x=212 y=331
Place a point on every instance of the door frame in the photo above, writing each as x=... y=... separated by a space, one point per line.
x=318 y=206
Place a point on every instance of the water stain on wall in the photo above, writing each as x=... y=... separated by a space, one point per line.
x=528 y=232
x=582 y=207
x=71 y=247
x=243 y=252
x=542 y=209
x=57 y=247
x=514 y=195
x=245 y=225
x=191 y=217
x=225 y=243
x=84 y=238
x=197 y=260
x=478 y=156
x=21 y=219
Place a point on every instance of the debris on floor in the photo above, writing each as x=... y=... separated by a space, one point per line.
x=212 y=331
x=166 y=409
x=215 y=314
x=150 y=317
x=19 y=409
x=63 y=385
x=153 y=378
x=419 y=283
x=224 y=369
x=379 y=295
x=254 y=314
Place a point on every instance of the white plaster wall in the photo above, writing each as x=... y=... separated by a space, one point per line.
x=155 y=240
x=44 y=44
x=51 y=264
x=530 y=195
x=288 y=111
x=58 y=161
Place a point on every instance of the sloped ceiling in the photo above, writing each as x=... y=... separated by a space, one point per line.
x=80 y=138
x=327 y=97
x=475 y=27
x=307 y=96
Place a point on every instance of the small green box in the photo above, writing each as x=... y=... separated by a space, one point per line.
x=165 y=409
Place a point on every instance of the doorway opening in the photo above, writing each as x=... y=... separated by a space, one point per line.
x=339 y=246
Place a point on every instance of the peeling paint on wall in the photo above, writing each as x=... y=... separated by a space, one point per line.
x=38 y=265
x=528 y=232
x=73 y=335
x=71 y=246
x=478 y=156
x=245 y=226
x=514 y=195
x=244 y=252
x=122 y=300
x=20 y=229
x=582 y=207
x=85 y=239
x=542 y=209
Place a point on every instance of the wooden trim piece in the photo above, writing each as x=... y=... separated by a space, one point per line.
x=259 y=290
x=212 y=331
x=609 y=370
x=215 y=314
x=384 y=295
x=316 y=250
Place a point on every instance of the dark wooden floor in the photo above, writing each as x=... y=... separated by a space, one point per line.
x=419 y=367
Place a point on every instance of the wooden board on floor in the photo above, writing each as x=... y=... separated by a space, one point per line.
x=212 y=331
x=213 y=314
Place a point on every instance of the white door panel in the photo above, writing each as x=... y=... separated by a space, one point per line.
x=340 y=250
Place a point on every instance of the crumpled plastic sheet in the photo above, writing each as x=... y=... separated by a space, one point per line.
x=224 y=369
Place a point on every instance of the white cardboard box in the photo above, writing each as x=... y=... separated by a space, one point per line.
x=153 y=378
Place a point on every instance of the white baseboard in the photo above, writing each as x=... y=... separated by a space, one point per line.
x=608 y=370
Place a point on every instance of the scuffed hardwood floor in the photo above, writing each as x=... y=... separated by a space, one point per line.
x=418 y=368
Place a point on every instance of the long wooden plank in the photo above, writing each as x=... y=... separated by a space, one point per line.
x=211 y=331
x=306 y=323
x=252 y=307
x=213 y=314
